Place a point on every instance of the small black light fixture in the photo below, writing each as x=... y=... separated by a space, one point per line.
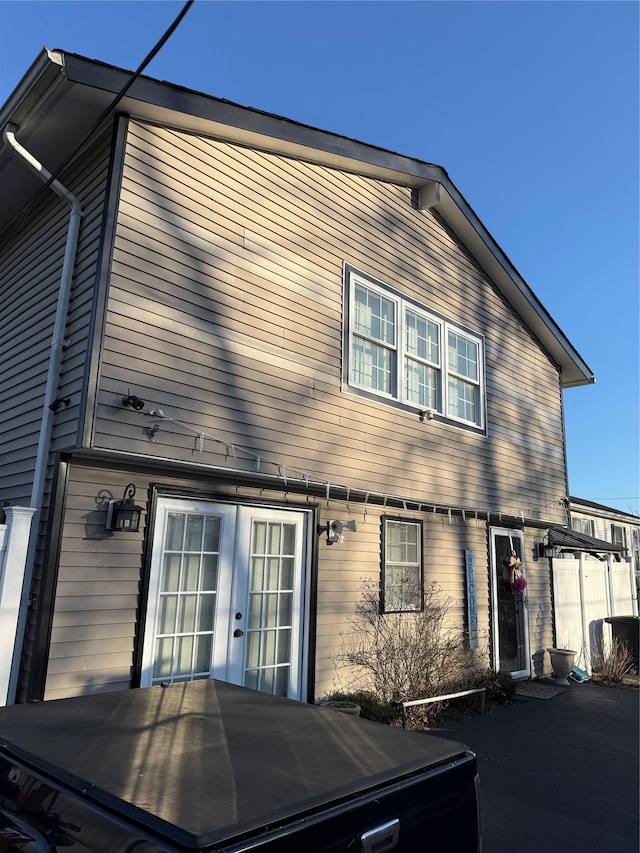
x=133 y=402
x=546 y=549
x=124 y=515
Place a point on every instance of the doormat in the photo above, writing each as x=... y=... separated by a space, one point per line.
x=534 y=690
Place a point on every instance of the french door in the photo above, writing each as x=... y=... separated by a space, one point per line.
x=226 y=596
x=510 y=622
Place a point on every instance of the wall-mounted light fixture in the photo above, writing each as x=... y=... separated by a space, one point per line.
x=334 y=530
x=133 y=402
x=124 y=515
x=61 y=401
x=546 y=549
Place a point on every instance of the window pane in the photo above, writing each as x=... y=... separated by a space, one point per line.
x=462 y=400
x=257 y=573
x=284 y=609
x=254 y=616
x=268 y=655
x=373 y=366
x=275 y=535
x=463 y=356
x=211 y=534
x=206 y=612
x=194 y=532
x=374 y=315
x=252 y=655
x=202 y=661
x=271 y=573
x=162 y=662
x=251 y=679
x=282 y=681
x=170 y=573
x=284 y=646
x=167 y=607
x=184 y=650
x=288 y=539
x=270 y=611
x=187 y=613
x=420 y=384
x=175 y=531
x=422 y=338
x=190 y=571
x=209 y=578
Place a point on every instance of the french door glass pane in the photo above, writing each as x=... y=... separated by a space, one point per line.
x=187 y=597
x=268 y=642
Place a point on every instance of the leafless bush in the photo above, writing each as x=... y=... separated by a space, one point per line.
x=406 y=655
x=613 y=665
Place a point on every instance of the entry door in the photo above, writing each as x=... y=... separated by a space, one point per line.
x=226 y=596
x=510 y=622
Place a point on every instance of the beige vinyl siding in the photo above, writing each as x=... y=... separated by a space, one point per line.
x=30 y=271
x=539 y=607
x=225 y=310
x=96 y=600
x=30 y=268
x=344 y=567
x=98 y=590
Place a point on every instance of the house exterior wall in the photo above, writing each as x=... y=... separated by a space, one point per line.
x=30 y=266
x=225 y=313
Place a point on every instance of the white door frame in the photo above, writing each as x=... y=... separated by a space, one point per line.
x=521 y=610
x=234 y=551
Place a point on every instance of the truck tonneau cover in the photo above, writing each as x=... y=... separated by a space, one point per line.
x=181 y=760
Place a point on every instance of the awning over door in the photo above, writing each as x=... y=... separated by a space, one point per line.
x=571 y=540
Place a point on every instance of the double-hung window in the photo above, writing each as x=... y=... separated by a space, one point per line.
x=402 y=566
x=406 y=354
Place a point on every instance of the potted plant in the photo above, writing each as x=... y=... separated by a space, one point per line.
x=562 y=663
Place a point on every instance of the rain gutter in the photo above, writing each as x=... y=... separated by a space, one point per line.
x=53 y=377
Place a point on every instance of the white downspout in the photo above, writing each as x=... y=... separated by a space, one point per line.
x=53 y=376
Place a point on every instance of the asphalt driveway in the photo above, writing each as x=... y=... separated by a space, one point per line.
x=559 y=774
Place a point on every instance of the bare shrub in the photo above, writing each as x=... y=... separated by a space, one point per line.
x=409 y=654
x=612 y=666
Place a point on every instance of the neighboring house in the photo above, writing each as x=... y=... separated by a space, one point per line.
x=269 y=328
x=611 y=525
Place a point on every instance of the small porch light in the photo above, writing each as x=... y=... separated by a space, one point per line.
x=124 y=515
x=546 y=549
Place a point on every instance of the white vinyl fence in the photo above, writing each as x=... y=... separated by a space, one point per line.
x=586 y=591
x=14 y=542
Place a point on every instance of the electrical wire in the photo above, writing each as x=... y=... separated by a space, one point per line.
x=109 y=109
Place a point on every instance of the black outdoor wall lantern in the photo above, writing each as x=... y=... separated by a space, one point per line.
x=124 y=515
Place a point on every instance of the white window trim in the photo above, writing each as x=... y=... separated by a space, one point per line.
x=402 y=305
x=419 y=565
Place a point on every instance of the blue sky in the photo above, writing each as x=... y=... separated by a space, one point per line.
x=531 y=107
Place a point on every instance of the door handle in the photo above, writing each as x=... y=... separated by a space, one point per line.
x=238 y=633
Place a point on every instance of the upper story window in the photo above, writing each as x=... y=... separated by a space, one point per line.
x=582 y=525
x=403 y=353
x=618 y=535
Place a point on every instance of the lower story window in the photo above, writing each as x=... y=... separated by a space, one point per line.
x=402 y=566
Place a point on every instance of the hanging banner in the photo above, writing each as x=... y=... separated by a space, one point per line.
x=472 y=610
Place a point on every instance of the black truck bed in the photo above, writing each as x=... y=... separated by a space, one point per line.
x=206 y=765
